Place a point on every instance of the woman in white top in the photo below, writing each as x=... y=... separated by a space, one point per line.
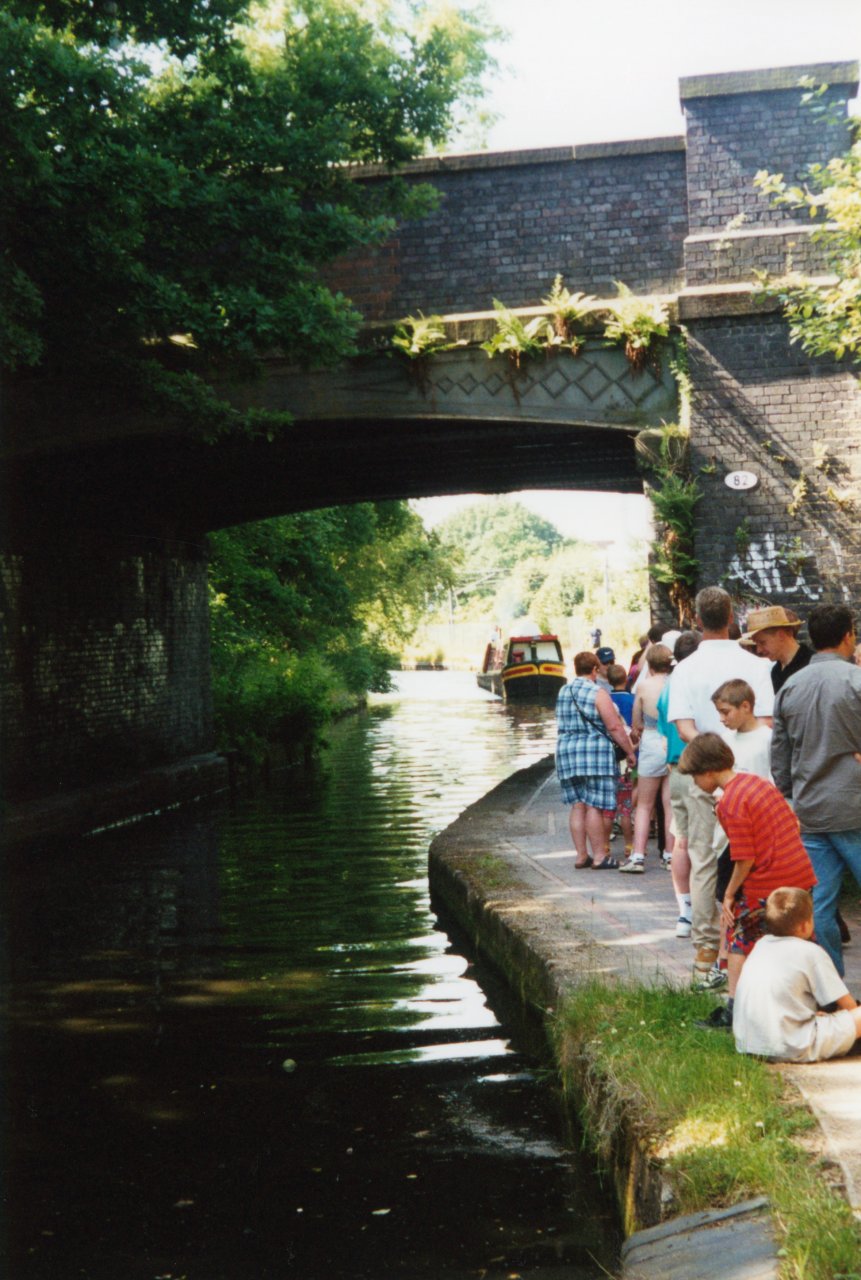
x=653 y=780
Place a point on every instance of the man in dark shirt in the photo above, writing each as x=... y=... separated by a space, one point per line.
x=773 y=633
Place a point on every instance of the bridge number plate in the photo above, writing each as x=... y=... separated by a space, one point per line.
x=741 y=480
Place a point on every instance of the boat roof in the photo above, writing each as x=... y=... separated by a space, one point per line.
x=546 y=635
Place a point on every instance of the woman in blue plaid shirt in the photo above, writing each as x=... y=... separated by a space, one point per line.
x=587 y=727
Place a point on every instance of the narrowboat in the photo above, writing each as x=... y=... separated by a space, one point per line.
x=524 y=668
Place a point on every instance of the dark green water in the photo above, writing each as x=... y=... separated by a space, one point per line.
x=242 y=1047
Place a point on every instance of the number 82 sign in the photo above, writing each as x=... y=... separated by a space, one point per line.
x=741 y=480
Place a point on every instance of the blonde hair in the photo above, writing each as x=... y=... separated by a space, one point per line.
x=786 y=909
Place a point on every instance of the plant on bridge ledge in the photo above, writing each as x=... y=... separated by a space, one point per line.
x=513 y=337
x=638 y=324
x=566 y=310
x=418 y=336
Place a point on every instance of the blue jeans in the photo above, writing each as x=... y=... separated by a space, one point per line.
x=832 y=853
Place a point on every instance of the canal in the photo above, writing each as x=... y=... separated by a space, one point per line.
x=242 y=1047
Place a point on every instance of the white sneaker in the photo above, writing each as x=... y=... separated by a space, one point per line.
x=711 y=981
x=666 y=860
x=635 y=864
x=683 y=927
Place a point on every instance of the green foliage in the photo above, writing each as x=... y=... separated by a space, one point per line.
x=308 y=607
x=489 y=540
x=715 y=1118
x=743 y=537
x=567 y=310
x=637 y=324
x=513 y=337
x=421 y=335
x=825 y=319
x=664 y=451
x=176 y=177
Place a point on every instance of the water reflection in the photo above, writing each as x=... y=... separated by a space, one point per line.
x=241 y=1046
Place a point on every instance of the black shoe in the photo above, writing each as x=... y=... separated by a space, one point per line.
x=720 y=1019
x=845 y=935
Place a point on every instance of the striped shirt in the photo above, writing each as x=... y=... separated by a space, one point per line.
x=762 y=828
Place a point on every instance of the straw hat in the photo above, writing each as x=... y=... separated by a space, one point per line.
x=761 y=619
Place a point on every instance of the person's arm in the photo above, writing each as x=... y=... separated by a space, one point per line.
x=846 y=1002
x=686 y=729
x=781 y=755
x=614 y=724
x=740 y=871
x=637 y=717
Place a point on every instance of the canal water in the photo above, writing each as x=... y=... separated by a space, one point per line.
x=242 y=1047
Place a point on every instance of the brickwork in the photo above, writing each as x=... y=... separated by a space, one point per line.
x=734 y=128
x=105 y=661
x=506 y=232
x=761 y=405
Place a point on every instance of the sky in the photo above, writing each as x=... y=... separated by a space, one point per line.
x=576 y=71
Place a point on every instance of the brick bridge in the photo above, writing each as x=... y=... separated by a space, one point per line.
x=104 y=578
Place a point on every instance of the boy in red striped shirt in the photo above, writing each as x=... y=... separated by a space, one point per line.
x=764 y=843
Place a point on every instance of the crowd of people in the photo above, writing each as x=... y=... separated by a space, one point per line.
x=744 y=752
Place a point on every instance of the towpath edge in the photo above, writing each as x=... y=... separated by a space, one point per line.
x=504 y=870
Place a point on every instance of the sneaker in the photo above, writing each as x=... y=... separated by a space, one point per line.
x=636 y=864
x=720 y=1019
x=711 y=981
x=683 y=927
x=666 y=861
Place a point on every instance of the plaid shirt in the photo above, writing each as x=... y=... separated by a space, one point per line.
x=584 y=749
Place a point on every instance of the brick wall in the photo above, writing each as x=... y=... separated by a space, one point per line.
x=761 y=405
x=507 y=226
x=735 y=126
x=105 y=661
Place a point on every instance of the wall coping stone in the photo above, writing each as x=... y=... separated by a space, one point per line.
x=767 y=80
x=473 y=160
x=699 y=303
x=762 y=233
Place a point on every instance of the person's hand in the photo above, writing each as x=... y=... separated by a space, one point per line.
x=726 y=916
x=631 y=757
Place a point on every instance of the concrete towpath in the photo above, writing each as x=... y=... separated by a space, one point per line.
x=630 y=921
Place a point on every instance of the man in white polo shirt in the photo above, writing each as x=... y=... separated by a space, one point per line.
x=691 y=708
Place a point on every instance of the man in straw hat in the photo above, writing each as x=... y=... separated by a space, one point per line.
x=773 y=633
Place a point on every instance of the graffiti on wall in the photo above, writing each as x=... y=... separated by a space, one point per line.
x=767 y=570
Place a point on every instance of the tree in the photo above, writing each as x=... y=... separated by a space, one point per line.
x=825 y=318
x=493 y=537
x=177 y=176
x=307 y=606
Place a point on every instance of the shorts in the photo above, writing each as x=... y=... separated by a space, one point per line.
x=624 y=794
x=748 y=925
x=652 y=758
x=833 y=1035
x=597 y=792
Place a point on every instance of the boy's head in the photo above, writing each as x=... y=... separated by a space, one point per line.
x=789 y=913
x=707 y=760
x=617 y=675
x=735 y=701
x=660 y=658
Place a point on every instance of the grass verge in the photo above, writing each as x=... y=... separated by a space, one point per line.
x=723 y=1125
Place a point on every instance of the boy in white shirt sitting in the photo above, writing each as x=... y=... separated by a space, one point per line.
x=784 y=987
